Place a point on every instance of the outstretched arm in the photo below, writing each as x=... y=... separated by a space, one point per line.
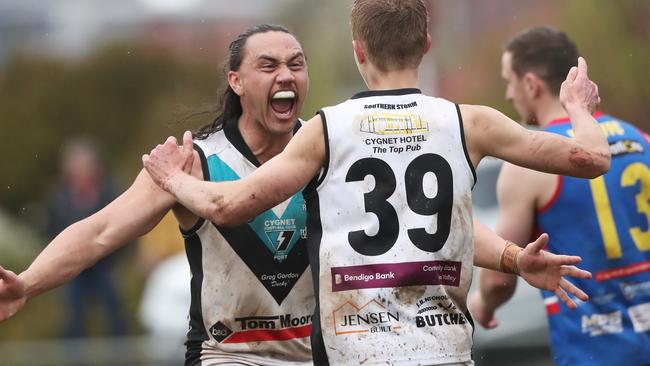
x=12 y=294
x=233 y=203
x=519 y=193
x=491 y=133
x=538 y=267
x=82 y=244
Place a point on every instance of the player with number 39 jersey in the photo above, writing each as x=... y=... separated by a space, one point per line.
x=392 y=223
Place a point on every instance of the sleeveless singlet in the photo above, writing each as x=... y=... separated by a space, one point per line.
x=390 y=233
x=252 y=296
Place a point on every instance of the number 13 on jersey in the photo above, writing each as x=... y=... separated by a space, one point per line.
x=636 y=172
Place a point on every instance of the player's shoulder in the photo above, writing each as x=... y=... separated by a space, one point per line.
x=613 y=126
x=312 y=129
x=212 y=144
x=479 y=123
x=477 y=113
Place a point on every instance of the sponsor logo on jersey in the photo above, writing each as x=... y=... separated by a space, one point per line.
x=279 y=279
x=219 y=331
x=383 y=275
x=430 y=303
x=272 y=322
x=391 y=106
x=393 y=124
x=440 y=319
x=640 y=316
x=624 y=147
x=619 y=147
x=282 y=239
x=436 y=311
x=609 y=128
x=632 y=290
x=263 y=328
x=603 y=299
x=280 y=232
x=372 y=317
x=599 y=324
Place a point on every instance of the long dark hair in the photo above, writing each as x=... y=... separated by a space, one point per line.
x=229 y=106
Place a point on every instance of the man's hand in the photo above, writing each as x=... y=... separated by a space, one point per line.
x=12 y=294
x=577 y=91
x=168 y=160
x=546 y=271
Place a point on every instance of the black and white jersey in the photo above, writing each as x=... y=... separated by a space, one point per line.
x=390 y=233
x=252 y=296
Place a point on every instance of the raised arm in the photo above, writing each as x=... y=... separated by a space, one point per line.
x=233 y=203
x=82 y=244
x=491 y=133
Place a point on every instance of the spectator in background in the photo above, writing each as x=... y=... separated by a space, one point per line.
x=84 y=189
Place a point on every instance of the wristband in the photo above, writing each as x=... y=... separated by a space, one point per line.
x=508 y=259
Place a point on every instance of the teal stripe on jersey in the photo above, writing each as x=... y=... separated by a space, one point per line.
x=279 y=234
x=219 y=170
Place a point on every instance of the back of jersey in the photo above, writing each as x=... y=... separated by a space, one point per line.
x=606 y=222
x=390 y=232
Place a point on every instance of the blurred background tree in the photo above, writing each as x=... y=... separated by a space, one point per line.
x=124 y=97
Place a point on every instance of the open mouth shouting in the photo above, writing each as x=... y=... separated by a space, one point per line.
x=283 y=104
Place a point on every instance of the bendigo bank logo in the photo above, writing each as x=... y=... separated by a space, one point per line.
x=372 y=317
x=394 y=124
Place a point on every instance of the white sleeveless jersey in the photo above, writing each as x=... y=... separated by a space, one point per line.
x=252 y=295
x=390 y=233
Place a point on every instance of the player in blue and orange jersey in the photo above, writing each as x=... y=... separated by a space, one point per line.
x=604 y=220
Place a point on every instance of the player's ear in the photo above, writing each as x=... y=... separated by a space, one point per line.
x=533 y=85
x=359 y=53
x=427 y=46
x=235 y=82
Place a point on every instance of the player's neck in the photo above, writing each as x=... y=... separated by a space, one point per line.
x=262 y=144
x=549 y=111
x=396 y=79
